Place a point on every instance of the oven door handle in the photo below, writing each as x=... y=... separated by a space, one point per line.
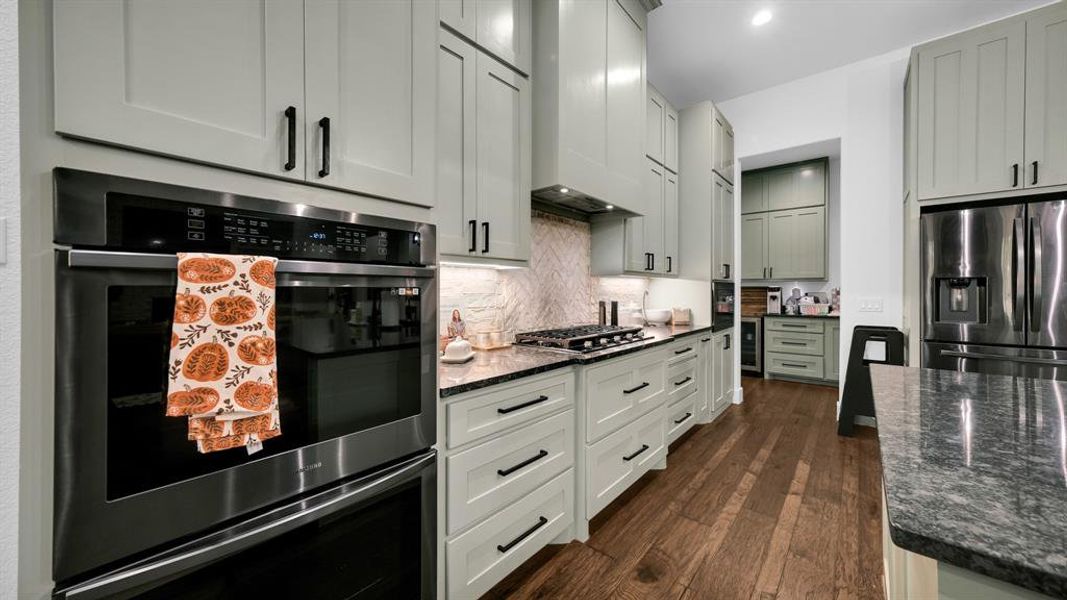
x=108 y=259
x=244 y=535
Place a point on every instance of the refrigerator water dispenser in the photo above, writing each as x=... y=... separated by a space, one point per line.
x=961 y=300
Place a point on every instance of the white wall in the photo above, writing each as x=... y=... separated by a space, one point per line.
x=862 y=104
x=10 y=304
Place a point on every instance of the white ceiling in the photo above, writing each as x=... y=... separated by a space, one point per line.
x=709 y=50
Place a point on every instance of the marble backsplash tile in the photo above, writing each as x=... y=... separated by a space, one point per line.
x=555 y=291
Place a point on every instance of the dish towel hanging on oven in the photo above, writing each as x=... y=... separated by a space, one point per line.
x=222 y=373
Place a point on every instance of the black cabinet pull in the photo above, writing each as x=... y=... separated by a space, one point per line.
x=522 y=536
x=290 y=117
x=485 y=237
x=705 y=339
x=636 y=454
x=726 y=342
x=648 y=261
x=794 y=365
x=324 y=123
x=1034 y=182
x=788 y=343
x=511 y=409
x=474 y=235
x=670 y=264
x=525 y=463
x=1015 y=175
x=687 y=415
x=634 y=389
x=653 y=261
x=795 y=325
x=683 y=350
x=684 y=381
x=726 y=271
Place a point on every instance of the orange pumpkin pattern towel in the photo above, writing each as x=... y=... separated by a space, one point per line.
x=222 y=372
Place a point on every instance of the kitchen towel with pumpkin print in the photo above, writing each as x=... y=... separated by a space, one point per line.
x=223 y=372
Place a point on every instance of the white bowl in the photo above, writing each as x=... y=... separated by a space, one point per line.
x=658 y=316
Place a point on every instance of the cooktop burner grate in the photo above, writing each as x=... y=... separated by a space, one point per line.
x=582 y=338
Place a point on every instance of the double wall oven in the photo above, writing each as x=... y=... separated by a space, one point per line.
x=342 y=504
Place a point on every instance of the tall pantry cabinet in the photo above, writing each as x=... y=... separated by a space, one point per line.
x=335 y=94
x=706 y=200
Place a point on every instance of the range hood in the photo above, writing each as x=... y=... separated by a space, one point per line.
x=576 y=203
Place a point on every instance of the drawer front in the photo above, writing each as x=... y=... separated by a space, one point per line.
x=481 y=557
x=812 y=325
x=682 y=379
x=796 y=343
x=680 y=352
x=618 y=393
x=483 y=414
x=681 y=416
x=795 y=365
x=617 y=461
x=487 y=477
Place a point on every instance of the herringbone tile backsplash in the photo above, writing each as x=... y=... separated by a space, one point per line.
x=557 y=290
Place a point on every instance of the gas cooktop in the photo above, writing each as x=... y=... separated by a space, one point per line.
x=582 y=338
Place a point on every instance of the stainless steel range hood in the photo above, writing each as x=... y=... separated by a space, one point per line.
x=574 y=203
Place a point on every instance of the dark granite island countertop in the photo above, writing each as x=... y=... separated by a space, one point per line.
x=491 y=367
x=975 y=471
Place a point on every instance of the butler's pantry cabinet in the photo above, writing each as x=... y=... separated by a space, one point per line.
x=483 y=154
x=339 y=94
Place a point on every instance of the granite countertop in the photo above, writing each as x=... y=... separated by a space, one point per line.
x=784 y=316
x=975 y=471
x=491 y=367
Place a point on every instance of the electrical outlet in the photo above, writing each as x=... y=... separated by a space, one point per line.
x=870 y=305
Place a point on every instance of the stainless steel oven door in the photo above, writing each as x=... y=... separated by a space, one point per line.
x=357 y=390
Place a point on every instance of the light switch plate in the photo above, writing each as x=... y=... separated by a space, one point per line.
x=870 y=305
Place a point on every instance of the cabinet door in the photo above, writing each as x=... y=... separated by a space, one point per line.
x=653 y=221
x=641 y=234
x=1046 y=97
x=670 y=141
x=809 y=184
x=780 y=188
x=754 y=246
x=670 y=224
x=716 y=385
x=625 y=100
x=460 y=15
x=727 y=153
x=970 y=111
x=503 y=132
x=371 y=70
x=726 y=230
x=457 y=226
x=833 y=340
x=202 y=80
x=504 y=29
x=727 y=371
x=809 y=243
x=655 y=115
x=753 y=195
x=781 y=227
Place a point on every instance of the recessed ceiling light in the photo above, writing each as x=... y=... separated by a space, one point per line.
x=564 y=190
x=762 y=17
x=610 y=207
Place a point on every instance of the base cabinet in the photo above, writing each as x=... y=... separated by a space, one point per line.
x=614 y=463
x=802 y=348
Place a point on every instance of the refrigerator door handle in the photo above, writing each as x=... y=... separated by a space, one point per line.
x=1015 y=359
x=1018 y=275
x=1036 y=294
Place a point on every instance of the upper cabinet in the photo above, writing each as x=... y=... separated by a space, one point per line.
x=483 y=153
x=339 y=94
x=661 y=131
x=722 y=135
x=589 y=66
x=500 y=27
x=722 y=223
x=645 y=245
x=371 y=89
x=753 y=192
x=215 y=82
x=988 y=108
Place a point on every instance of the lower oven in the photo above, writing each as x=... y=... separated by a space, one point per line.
x=752 y=344
x=356 y=326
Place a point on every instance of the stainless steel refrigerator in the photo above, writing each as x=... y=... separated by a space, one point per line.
x=995 y=288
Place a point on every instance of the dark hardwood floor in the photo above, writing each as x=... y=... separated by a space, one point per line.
x=765 y=503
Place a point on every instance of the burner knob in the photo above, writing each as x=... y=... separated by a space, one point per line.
x=588 y=344
x=604 y=341
x=618 y=338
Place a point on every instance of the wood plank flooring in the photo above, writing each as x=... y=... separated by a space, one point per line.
x=766 y=503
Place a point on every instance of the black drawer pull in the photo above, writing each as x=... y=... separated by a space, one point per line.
x=682 y=420
x=634 y=389
x=290 y=117
x=683 y=350
x=794 y=365
x=525 y=463
x=510 y=409
x=788 y=343
x=705 y=339
x=794 y=325
x=324 y=123
x=684 y=381
x=508 y=546
x=636 y=454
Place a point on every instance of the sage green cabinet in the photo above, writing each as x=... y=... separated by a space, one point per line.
x=754 y=238
x=722 y=136
x=753 y=193
x=832 y=364
x=1046 y=97
x=500 y=27
x=722 y=228
x=970 y=111
x=797 y=243
x=796 y=186
x=661 y=130
x=646 y=245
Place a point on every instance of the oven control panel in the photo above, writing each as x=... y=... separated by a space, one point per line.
x=158 y=225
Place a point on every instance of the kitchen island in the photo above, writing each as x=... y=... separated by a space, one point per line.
x=975 y=476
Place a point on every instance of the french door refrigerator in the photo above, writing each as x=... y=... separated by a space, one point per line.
x=994 y=289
